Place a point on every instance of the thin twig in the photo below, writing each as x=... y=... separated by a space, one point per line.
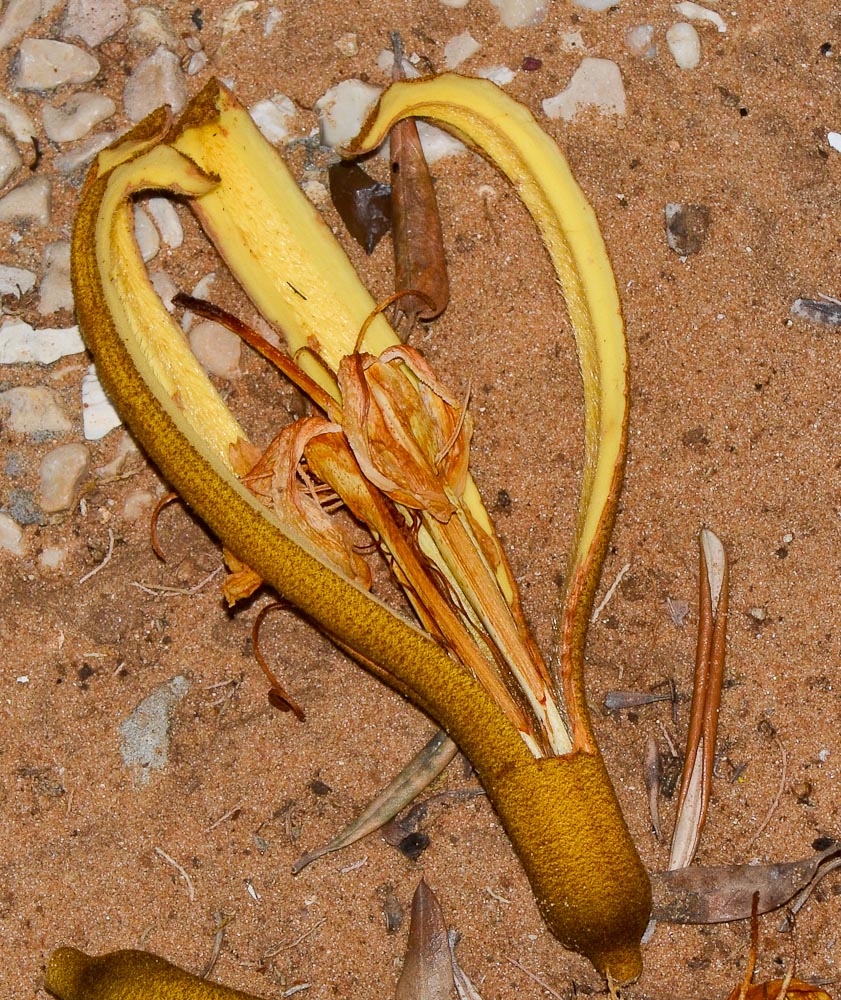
x=223 y=817
x=611 y=590
x=191 y=889
x=222 y=922
x=163 y=591
x=540 y=982
x=288 y=945
x=777 y=797
x=104 y=562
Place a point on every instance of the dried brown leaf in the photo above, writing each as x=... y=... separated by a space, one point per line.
x=718 y=894
x=427 y=969
x=363 y=204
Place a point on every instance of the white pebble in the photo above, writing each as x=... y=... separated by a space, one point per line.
x=165 y=288
x=695 y=12
x=80 y=156
x=126 y=449
x=343 y=109
x=20 y=15
x=21 y=344
x=459 y=49
x=521 y=13
x=76 y=116
x=316 y=192
x=500 y=75
x=34 y=410
x=348 y=44
x=684 y=45
x=272 y=115
x=98 y=414
x=455 y=4
x=198 y=61
x=150 y=28
x=597 y=83
x=273 y=19
x=385 y=62
x=437 y=143
x=11 y=536
x=10 y=158
x=639 y=41
x=27 y=204
x=834 y=140
x=51 y=558
x=596 y=4
x=156 y=80
x=93 y=20
x=43 y=64
x=148 y=239
x=15 y=281
x=137 y=504
x=573 y=41
x=54 y=292
x=217 y=349
x=166 y=219
x=60 y=474
x=18 y=121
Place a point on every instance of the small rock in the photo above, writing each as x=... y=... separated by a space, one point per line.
x=43 y=64
x=28 y=204
x=151 y=28
x=834 y=140
x=21 y=506
x=15 y=281
x=156 y=80
x=198 y=61
x=343 y=109
x=76 y=116
x=137 y=505
x=93 y=20
x=459 y=49
x=61 y=473
x=145 y=734
x=165 y=288
x=217 y=349
x=272 y=115
x=348 y=44
x=34 y=410
x=18 y=121
x=19 y=17
x=573 y=41
x=21 y=344
x=684 y=45
x=597 y=83
x=598 y=5
x=455 y=4
x=824 y=312
x=55 y=292
x=148 y=238
x=98 y=414
x=695 y=12
x=500 y=75
x=385 y=62
x=51 y=558
x=80 y=156
x=273 y=19
x=639 y=41
x=126 y=449
x=11 y=536
x=686 y=227
x=166 y=219
x=521 y=13
x=10 y=158
x=437 y=143
x=317 y=192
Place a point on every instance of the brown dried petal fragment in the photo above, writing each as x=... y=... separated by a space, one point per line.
x=276 y=479
x=410 y=437
x=363 y=203
x=715 y=895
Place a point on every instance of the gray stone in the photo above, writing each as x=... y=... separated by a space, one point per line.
x=10 y=158
x=74 y=118
x=43 y=64
x=61 y=473
x=155 y=81
x=145 y=734
x=93 y=20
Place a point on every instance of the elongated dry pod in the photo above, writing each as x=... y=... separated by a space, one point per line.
x=128 y=975
x=560 y=812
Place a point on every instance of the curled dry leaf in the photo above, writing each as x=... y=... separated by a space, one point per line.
x=363 y=204
x=718 y=894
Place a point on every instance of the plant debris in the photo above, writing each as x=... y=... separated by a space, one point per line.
x=363 y=204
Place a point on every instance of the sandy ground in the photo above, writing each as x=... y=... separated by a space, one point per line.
x=735 y=425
